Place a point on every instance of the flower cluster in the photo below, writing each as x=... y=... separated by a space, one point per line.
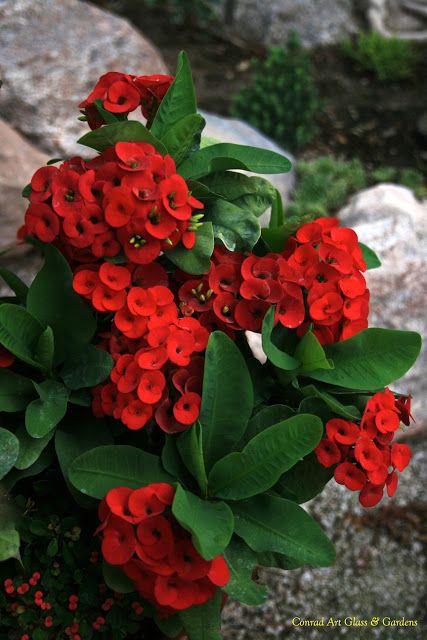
x=127 y=199
x=121 y=93
x=158 y=369
x=140 y=534
x=316 y=281
x=366 y=458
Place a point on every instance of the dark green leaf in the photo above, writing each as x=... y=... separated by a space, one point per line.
x=86 y=368
x=227 y=398
x=371 y=359
x=15 y=283
x=197 y=259
x=265 y=458
x=126 y=131
x=183 y=137
x=242 y=561
x=171 y=627
x=346 y=411
x=9 y=451
x=304 y=481
x=267 y=417
x=179 y=101
x=203 y=622
x=9 y=544
x=44 y=414
x=172 y=460
x=53 y=302
x=311 y=354
x=276 y=356
x=97 y=471
x=45 y=349
x=237 y=229
x=226 y=155
x=15 y=391
x=269 y=523
x=45 y=459
x=190 y=447
x=116 y=580
x=30 y=448
x=210 y=523
x=370 y=257
x=26 y=191
x=19 y=332
x=277 y=213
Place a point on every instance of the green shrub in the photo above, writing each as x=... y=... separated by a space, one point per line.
x=187 y=12
x=325 y=184
x=383 y=174
x=281 y=100
x=387 y=58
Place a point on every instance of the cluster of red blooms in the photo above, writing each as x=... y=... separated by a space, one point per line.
x=316 y=280
x=140 y=534
x=366 y=458
x=121 y=93
x=158 y=368
x=37 y=599
x=127 y=199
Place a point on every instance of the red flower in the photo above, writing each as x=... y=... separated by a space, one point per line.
x=342 y=431
x=120 y=207
x=371 y=495
x=66 y=195
x=151 y=385
x=219 y=573
x=42 y=222
x=152 y=90
x=387 y=420
x=186 y=410
x=118 y=543
x=122 y=97
x=327 y=453
x=367 y=454
x=41 y=183
x=400 y=456
x=136 y=414
x=141 y=301
x=349 y=475
x=114 y=277
x=134 y=156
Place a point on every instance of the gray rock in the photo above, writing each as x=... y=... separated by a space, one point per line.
x=406 y=19
x=380 y=570
x=51 y=54
x=389 y=219
x=317 y=21
x=234 y=130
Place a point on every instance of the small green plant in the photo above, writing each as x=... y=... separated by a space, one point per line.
x=281 y=100
x=325 y=185
x=389 y=59
x=415 y=180
x=383 y=174
x=187 y=12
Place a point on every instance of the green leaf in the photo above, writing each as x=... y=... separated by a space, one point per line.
x=276 y=356
x=304 y=481
x=311 y=353
x=172 y=461
x=371 y=359
x=52 y=548
x=43 y=462
x=210 y=523
x=252 y=193
x=108 y=117
x=126 y=131
x=30 y=448
x=370 y=257
x=44 y=414
x=86 y=368
x=15 y=391
x=265 y=458
x=238 y=229
x=97 y=471
x=277 y=214
x=263 y=196
x=203 y=622
x=116 y=580
x=269 y=523
x=78 y=433
x=226 y=155
x=18 y=287
x=346 y=411
x=267 y=417
x=9 y=451
x=45 y=349
x=197 y=259
x=179 y=101
x=184 y=137
x=9 y=544
x=171 y=627
x=26 y=191
x=190 y=447
x=242 y=561
x=276 y=236
x=53 y=302
x=19 y=332
x=227 y=398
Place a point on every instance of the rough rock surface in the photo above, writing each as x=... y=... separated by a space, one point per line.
x=18 y=161
x=239 y=132
x=51 y=54
x=389 y=219
x=404 y=18
x=380 y=570
x=317 y=21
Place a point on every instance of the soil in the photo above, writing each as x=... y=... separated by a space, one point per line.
x=360 y=117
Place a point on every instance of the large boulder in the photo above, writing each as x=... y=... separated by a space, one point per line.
x=403 y=18
x=51 y=54
x=389 y=219
x=234 y=130
x=18 y=161
x=317 y=21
